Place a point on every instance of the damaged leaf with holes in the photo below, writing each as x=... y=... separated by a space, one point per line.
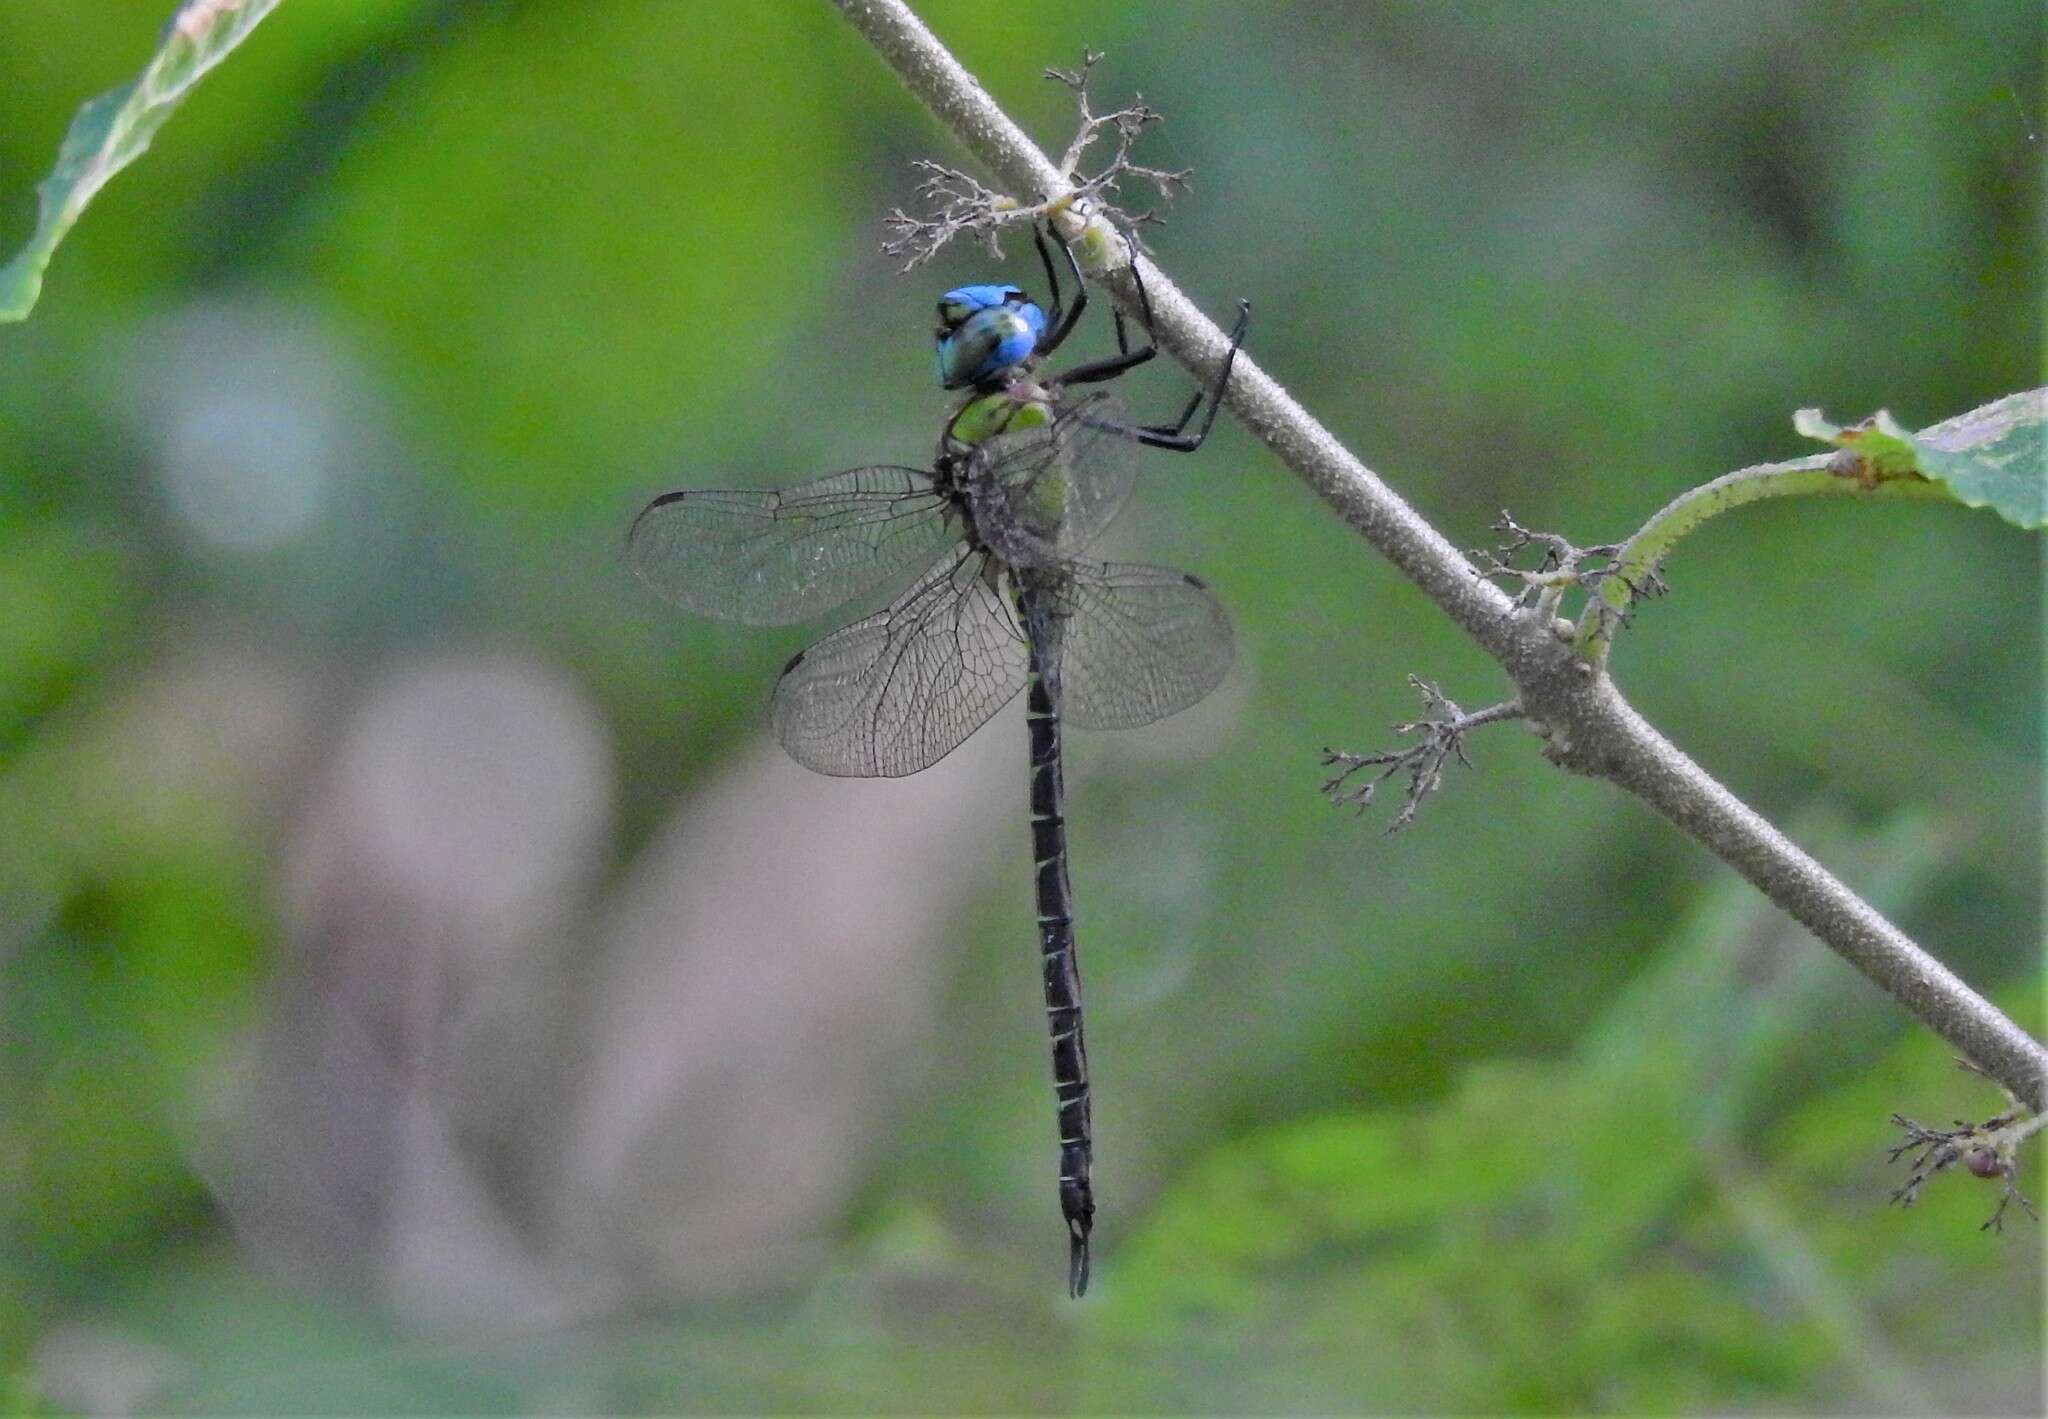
x=1993 y=457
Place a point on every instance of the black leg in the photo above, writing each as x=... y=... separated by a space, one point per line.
x=1095 y=371
x=1053 y=301
x=1138 y=280
x=1060 y=322
x=1150 y=437
x=1171 y=436
x=1186 y=413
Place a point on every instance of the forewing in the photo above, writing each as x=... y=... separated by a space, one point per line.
x=898 y=691
x=768 y=557
x=1137 y=643
x=1044 y=493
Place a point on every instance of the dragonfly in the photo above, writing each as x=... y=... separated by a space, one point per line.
x=1029 y=470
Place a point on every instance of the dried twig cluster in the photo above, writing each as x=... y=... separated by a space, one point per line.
x=955 y=202
x=1127 y=124
x=1989 y=1150
x=1442 y=728
x=1561 y=567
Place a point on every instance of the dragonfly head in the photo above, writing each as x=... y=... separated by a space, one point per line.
x=984 y=333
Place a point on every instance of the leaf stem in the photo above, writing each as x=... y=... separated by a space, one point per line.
x=1820 y=475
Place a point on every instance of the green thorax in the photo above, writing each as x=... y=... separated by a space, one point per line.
x=981 y=418
x=1028 y=501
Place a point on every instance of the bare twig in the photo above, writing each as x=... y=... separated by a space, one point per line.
x=1977 y=1146
x=1127 y=124
x=1562 y=567
x=957 y=204
x=1591 y=728
x=1636 y=561
x=1988 y=1150
x=1443 y=727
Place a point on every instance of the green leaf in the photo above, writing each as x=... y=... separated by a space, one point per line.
x=115 y=129
x=1995 y=456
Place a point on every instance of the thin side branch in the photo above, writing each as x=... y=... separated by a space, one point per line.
x=1442 y=728
x=957 y=204
x=1127 y=125
x=1562 y=567
x=1987 y=1150
x=1592 y=729
x=1634 y=571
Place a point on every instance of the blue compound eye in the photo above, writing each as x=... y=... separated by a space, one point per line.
x=988 y=346
x=986 y=334
x=964 y=302
x=1032 y=316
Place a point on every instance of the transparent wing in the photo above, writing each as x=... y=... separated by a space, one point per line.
x=1042 y=494
x=898 y=691
x=1136 y=643
x=772 y=556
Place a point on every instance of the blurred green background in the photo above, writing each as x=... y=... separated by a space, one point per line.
x=426 y=988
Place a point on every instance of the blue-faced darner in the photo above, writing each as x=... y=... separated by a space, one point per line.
x=1029 y=470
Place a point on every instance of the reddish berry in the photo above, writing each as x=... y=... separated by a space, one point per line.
x=1984 y=1163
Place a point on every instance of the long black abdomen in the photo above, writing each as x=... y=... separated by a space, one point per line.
x=1056 y=943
